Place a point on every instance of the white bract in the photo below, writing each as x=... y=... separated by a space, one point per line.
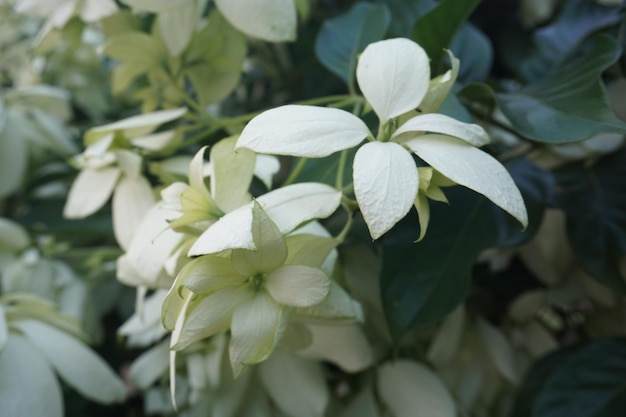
x=394 y=76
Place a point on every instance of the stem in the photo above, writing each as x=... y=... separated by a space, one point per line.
x=346 y=228
x=296 y=171
x=340 y=169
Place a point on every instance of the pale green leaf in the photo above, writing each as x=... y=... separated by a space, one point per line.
x=268 y=20
x=256 y=328
x=232 y=173
x=4 y=329
x=207 y=274
x=176 y=26
x=345 y=345
x=297 y=285
x=500 y=350
x=28 y=387
x=385 y=184
x=210 y=315
x=409 y=389
x=13 y=237
x=271 y=250
x=13 y=158
x=440 y=87
x=298 y=130
x=150 y=366
x=78 y=365
x=472 y=168
x=394 y=76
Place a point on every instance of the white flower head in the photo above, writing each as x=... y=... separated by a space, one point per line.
x=394 y=76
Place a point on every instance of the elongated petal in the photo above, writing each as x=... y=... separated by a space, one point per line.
x=211 y=315
x=28 y=387
x=440 y=87
x=152 y=244
x=269 y=20
x=446 y=125
x=78 y=365
x=303 y=131
x=132 y=199
x=385 y=184
x=393 y=75
x=90 y=191
x=472 y=168
x=256 y=328
x=304 y=393
x=288 y=207
x=4 y=329
x=232 y=173
x=409 y=389
x=135 y=125
x=297 y=285
x=338 y=307
x=500 y=350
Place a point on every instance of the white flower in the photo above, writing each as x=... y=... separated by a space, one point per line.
x=394 y=76
x=251 y=292
x=110 y=168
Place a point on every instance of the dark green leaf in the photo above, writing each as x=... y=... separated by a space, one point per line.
x=577 y=20
x=422 y=282
x=435 y=30
x=475 y=52
x=594 y=201
x=588 y=384
x=569 y=104
x=535 y=381
x=404 y=13
x=342 y=38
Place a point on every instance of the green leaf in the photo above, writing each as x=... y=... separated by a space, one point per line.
x=588 y=384
x=577 y=20
x=342 y=38
x=594 y=201
x=435 y=30
x=569 y=104
x=28 y=386
x=475 y=52
x=404 y=13
x=422 y=282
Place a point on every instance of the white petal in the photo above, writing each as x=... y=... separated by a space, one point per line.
x=150 y=366
x=393 y=75
x=385 y=184
x=269 y=20
x=136 y=125
x=447 y=340
x=337 y=308
x=4 y=329
x=344 y=345
x=13 y=236
x=28 y=387
x=297 y=285
x=78 y=365
x=94 y=10
x=288 y=207
x=440 y=123
x=256 y=328
x=90 y=191
x=132 y=199
x=265 y=168
x=472 y=168
x=304 y=393
x=409 y=389
x=303 y=131
x=156 y=141
x=152 y=244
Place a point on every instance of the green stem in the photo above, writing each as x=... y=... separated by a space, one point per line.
x=296 y=171
x=346 y=228
x=340 y=169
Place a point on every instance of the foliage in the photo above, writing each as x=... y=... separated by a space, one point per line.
x=312 y=208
